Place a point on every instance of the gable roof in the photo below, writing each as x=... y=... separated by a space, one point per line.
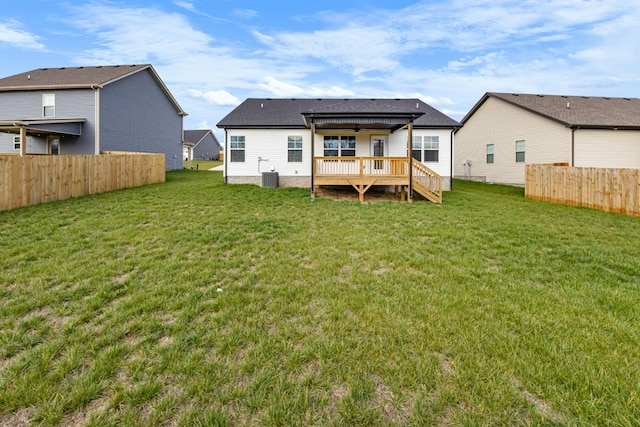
x=196 y=135
x=291 y=112
x=586 y=112
x=79 y=78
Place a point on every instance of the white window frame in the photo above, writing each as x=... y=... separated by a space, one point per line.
x=48 y=105
x=344 y=145
x=17 y=142
x=520 y=149
x=491 y=152
x=420 y=145
x=294 y=148
x=237 y=145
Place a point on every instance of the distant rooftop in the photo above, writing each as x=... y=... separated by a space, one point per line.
x=575 y=111
x=68 y=77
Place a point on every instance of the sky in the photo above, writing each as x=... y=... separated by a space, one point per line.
x=213 y=54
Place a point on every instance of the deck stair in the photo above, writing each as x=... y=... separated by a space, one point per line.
x=426 y=182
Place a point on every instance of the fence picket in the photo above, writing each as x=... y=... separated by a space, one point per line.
x=609 y=190
x=29 y=180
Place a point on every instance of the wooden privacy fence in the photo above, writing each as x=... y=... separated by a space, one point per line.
x=609 y=190
x=34 y=179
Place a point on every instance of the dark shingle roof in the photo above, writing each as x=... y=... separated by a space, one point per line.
x=286 y=113
x=79 y=78
x=195 y=135
x=68 y=77
x=575 y=111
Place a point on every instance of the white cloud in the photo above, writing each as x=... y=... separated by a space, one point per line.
x=185 y=5
x=245 y=13
x=129 y=35
x=353 y=49
x=11 y=33
x=204 y=125
x=217 y=97
x=433 y=101
x=282 y=89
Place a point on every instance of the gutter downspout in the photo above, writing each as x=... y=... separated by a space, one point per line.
x=226 y=154
x=573 y=146
x=451 y=161
x=96 y=119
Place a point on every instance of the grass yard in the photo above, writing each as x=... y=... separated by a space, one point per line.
x=202 y=164
x=192 y=303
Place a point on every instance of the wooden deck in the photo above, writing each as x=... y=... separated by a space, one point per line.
x=362 y=173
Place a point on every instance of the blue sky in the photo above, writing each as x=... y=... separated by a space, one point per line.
x=213 y=54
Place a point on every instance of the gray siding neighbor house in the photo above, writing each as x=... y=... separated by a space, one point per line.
x=361 y=143
x=200 y=144
x=505 y=131
x=89 y=110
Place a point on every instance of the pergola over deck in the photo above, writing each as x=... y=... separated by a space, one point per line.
x=364 y=172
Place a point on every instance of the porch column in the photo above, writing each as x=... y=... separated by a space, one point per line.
x=409 y=140
x=23 y=141
x=313 y=160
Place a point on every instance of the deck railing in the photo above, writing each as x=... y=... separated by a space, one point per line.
x=362 y=166
x=364 y=172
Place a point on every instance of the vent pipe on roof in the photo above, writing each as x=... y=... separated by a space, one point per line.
x=28 y=76
x=568 y=105
x=261 y=105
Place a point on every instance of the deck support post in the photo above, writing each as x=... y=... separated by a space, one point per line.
x=409 y=141
x=313 y=161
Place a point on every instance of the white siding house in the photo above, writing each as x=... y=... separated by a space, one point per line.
x=298 y=137
x=503 y=132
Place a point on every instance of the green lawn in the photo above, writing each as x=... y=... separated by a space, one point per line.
x=195 y=303
x=202 y=164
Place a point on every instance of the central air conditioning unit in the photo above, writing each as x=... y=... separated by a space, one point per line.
x=270 y=179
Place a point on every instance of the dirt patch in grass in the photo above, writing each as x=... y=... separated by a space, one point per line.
x=337 y=395
x=544 y=408
x=445 y=363
x=81 y=417
x=165 y=341
x=385 y=402
x=20 y=418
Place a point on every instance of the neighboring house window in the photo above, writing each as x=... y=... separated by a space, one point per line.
x=335 y=146
x=489 y=153
x=16 y=143
x=294 y=144
x=237 y=148
x=49 y=105
x=519 y=151
x=425 y=149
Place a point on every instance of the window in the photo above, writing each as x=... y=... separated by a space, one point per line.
x=489 y=153
x=16 y=143
x=335 y=146
x=416 y=148
x=49 y=105
x=519 y=151
x=237 y=148
x=294 y=144
x=425 y=148
x=431 y=147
